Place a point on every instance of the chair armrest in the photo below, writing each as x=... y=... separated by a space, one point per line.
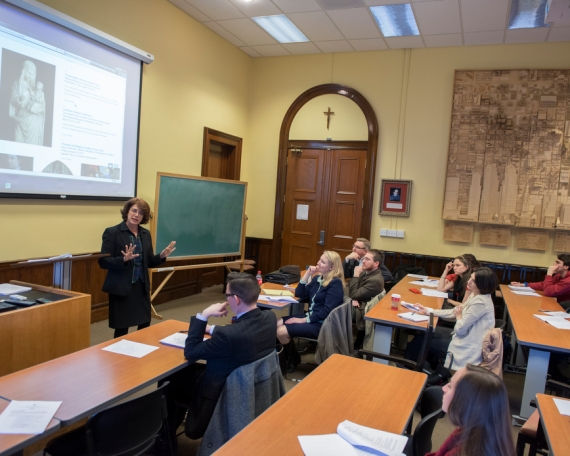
x=395 y=359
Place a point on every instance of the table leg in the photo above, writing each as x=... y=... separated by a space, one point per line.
x=535 y=379
x=382 y=341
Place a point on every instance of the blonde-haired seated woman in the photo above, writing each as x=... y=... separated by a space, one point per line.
x=324 y=292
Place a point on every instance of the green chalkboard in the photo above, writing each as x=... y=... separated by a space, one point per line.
x=204 y=216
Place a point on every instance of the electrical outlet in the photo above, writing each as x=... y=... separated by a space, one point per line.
x=383 y=232
x=400 y=233
x=392 y=233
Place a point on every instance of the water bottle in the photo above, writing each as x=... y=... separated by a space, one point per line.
x=259 y=278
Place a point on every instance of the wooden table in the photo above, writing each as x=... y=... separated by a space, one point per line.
x=11 y=444
x=342 y=388
x=276 y=305
x=92 y=379
x=556 y=426
x=540 y=337
x=385 y=319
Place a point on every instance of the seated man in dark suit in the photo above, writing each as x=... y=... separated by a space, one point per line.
x=354 y=258
x=366 y=283
x=249 y=338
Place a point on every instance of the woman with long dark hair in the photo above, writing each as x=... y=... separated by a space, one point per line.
x=456 y=283
x=476 y=402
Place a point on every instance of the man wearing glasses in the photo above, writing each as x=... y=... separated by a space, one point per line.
x=249 y=338
x=354 y=259
x=366 y=283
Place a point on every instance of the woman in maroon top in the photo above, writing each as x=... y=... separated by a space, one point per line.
x=477 y=403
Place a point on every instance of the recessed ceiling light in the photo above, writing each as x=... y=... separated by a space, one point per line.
x=396 y=20
x=528 y=14
x=281 y=28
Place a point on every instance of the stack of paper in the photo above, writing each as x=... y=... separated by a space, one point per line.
x=557 y=322
x=426 y=283
x=417 y=276
x=523 y=291
x=11 y=289
x=412 y=316
x=175 y=340
x=410 y=306
x=353 y=439
x=278 y=298
x=434 y=293
x=27 y=417
x=278 y=293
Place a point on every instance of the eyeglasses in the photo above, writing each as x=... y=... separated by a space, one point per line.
x=358 y=247
x=367 y=259
x=232 y=294
x=136 y=212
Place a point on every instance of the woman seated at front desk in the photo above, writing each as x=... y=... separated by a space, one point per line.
x=324 y=292
x=473 y=320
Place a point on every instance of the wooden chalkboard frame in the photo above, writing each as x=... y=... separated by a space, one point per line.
x=155 y=225
x=153 y=229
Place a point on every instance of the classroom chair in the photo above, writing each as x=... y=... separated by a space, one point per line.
x=249 y=391
x=430 y=410
x=126 y=429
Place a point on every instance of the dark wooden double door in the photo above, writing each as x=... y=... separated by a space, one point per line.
x=324 y=197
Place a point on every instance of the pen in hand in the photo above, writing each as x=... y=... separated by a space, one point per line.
x=183 y=332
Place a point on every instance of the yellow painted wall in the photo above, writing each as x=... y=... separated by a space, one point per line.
x=347 y=122
x=414 y=147
x=197 y=79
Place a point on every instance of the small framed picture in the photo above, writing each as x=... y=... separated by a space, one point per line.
x=395 y=197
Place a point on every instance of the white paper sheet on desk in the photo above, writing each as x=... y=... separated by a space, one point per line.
x=434 y=293
x=27 y=417
x=415 y=317
x=563 y=406
x=175 y=340
x=417 y=276
x=526 y=293
x=134 y=349
x=278 y=298
x=10 y=289
x=554 y=313
x=557 y=322
x=519 y=288
x=353 y=440
x=426 y=283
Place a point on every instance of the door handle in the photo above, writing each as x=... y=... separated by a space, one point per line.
x=321 y=238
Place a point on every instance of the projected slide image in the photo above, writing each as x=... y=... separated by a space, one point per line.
x=101 y=172
x=57 y=167
x=16 y=162
x=26 y=99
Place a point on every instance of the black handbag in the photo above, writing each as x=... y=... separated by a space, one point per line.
x=285 y=275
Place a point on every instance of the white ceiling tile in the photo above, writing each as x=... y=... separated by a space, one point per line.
x=375 y=44
x=438 y=18
x=271 y=50
x=247 y=31
x=301 y=48
x=402 y=42
x=217 y=10
x=214 y=26
x=453 y=39
x=316 y=26
x=256 y=8
x=190 y=10
x=484 y=15
x=475 y=38
x=297 y=6
x=384 y=2
x=559 y=34
x=249 y=51
x=334 y=46
x=355 y=23
x=535 y=35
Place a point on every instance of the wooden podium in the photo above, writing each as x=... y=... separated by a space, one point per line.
x=36 y=334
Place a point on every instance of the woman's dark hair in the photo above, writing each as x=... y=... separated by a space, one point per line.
x=472 y=260
x=143 y=206
x=486 y=280
x=480 y=407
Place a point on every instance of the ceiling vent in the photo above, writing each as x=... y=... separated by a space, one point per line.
x=341 y=4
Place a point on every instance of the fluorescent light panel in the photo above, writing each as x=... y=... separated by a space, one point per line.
x=281 y=28
x=396 y=20
x=527 y=14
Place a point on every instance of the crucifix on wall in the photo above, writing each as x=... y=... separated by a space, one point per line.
x=328 y=113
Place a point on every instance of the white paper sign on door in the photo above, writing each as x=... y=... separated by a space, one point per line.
x=302 y=212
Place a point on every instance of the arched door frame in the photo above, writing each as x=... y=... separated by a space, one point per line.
x=373 y=134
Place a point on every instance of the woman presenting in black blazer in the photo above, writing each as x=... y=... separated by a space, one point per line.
x=130 y=255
